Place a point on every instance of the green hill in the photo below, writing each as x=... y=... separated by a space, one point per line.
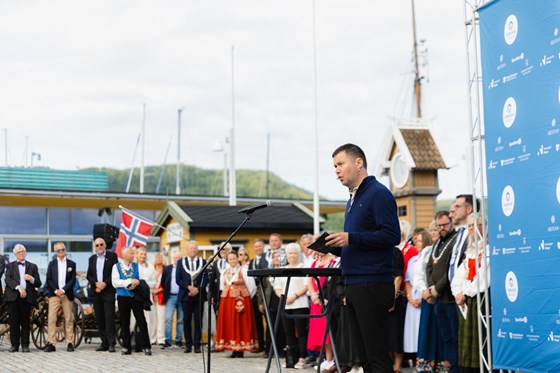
x=203 y=182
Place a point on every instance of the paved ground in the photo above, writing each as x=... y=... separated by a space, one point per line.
x=85 y=359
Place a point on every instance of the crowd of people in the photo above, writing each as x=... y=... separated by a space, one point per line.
x=404 y=295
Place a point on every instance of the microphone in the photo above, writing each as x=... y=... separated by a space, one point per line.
x=251 y=209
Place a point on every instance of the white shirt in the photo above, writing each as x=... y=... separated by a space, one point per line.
x=419 y=280
x=147 y=273
x=296 y=284
x=62 y=268
x=116 y=279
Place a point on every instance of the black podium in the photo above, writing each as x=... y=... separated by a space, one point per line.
x=289 y=273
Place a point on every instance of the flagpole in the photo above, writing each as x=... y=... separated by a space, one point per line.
x=151 y=221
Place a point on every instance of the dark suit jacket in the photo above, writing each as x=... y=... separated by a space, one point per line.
x=110 y=260
x=184 y=279
x=436 y=273
x=52 y=278
x=2 y=268
x=12 y=281
x=166 y=282
x=263 y=263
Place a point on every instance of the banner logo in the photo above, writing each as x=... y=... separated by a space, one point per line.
x=558 y=190
x=510 y=29
x=508 y=200
x=509 y=112
x=512 y=288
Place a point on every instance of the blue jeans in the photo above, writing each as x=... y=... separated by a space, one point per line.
x=171 y=306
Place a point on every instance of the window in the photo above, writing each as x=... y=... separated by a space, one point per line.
x=36 y=253
x=27 y=220
x=402 y=211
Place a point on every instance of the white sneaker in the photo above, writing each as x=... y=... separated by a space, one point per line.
x=357 y=369
x=327 y=364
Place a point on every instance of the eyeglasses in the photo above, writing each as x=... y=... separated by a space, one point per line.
x=19 y=252
x=60 y=250
x=241 y=254
x=443 y=225
x=99 y=244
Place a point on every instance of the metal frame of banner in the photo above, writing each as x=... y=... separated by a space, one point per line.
x=478 y=169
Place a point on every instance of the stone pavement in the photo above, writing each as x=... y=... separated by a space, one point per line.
x=85 y=359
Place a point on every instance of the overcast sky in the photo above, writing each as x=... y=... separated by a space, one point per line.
x=74 y=76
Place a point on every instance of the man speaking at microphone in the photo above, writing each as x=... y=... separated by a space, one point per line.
x=371 y=231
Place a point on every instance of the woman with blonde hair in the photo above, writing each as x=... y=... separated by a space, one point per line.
x=157 y=334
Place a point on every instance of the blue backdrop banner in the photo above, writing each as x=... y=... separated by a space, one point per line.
x=520 y=54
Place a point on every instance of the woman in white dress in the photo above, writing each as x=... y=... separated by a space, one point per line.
x=413 y=289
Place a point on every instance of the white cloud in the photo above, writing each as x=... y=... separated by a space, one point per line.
x=74 y=76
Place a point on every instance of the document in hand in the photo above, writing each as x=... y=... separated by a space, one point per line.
x=320 y=244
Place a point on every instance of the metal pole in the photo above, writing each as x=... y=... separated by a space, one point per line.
x=6 y=146
x=316 y=226
x=177 y=184
x=143 y=147
x=232 y=184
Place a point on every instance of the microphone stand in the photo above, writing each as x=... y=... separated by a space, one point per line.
x=209 y=266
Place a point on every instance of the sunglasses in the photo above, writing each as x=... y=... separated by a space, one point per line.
x=99 y=244
x=60 y=250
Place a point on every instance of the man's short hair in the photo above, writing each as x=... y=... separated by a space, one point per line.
x=469 y=201
x=441 y=214
x=277 y=235
x=353 y=151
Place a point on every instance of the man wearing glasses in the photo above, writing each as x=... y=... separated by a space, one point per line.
x=102 y=292
x=22 y=279
x=440 y=290
x=61 y=277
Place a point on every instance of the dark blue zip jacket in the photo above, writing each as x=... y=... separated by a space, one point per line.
x=373 y=231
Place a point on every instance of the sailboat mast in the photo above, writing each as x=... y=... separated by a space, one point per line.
x=417 y=78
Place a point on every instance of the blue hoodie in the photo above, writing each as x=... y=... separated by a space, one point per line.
x=373 y=231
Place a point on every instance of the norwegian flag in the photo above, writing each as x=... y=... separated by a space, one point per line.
x=134 y=232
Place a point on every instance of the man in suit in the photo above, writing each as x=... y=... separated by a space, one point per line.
x=102 y=292
x=61 y=277
x=192 y=295
x=258 y=262
x=275 y=242
x=2 y=268
x=218 y=267
x=172 y=304
x=22 y=279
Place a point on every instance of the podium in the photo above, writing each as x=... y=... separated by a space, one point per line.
x=315 y=273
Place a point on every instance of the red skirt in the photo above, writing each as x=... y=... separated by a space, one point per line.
x=235 y=329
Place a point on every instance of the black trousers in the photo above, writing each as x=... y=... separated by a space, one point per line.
x=104 y=309
x=192 y=309
x=368 y=305
x=259 y=324
x=19 y=311
x=301 y=325
x=126 y=306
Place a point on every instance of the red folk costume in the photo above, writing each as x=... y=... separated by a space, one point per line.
x=235 y=330
x=408 y=252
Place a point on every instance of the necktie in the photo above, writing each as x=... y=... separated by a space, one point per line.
x=456 y=253
x=21 y=263
x=192 y=264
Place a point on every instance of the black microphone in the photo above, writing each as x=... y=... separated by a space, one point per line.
x=251 y=209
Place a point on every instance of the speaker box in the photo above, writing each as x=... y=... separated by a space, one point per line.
x=108 y=232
